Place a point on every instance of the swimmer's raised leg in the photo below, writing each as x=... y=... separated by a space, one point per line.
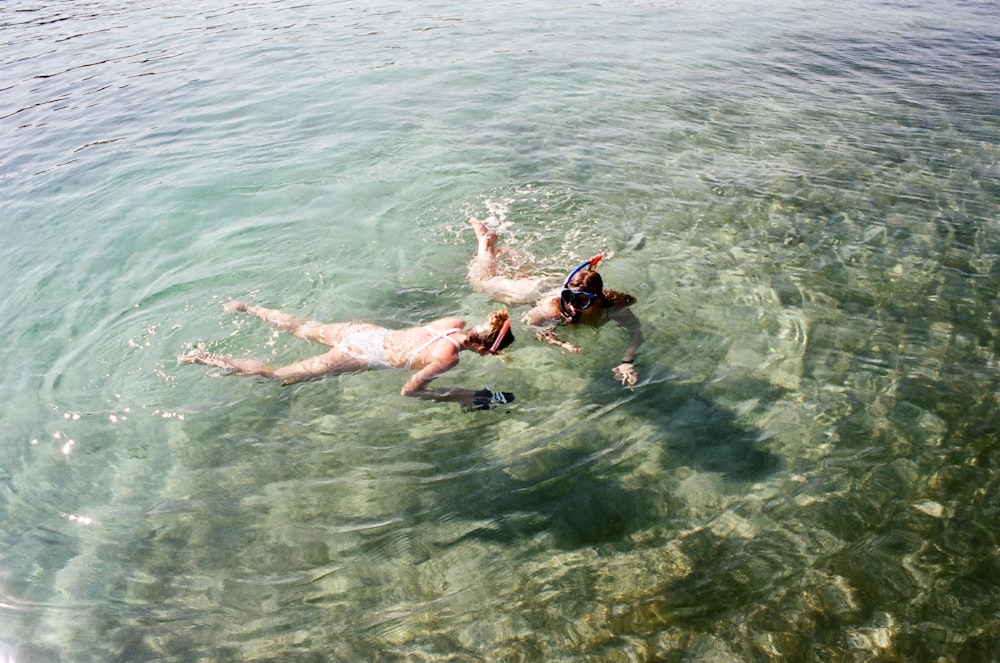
x=484 y=264
x=483 y=272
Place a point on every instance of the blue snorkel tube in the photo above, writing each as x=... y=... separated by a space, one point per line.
x=592 y=263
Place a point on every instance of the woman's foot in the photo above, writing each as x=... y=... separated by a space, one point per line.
x=487 y=238
x=195 y=355
x=199 y=355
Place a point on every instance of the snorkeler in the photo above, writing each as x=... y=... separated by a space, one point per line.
x=355 y=347
x=581 y=299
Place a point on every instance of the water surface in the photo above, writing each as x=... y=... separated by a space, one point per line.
x=802 y=196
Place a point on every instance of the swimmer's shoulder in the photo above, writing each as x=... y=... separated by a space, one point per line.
x=447 y=324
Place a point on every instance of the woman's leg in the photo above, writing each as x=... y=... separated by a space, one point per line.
x=334 y=362
x=232 y=364
x=307 y=330
x=483 y=272
x=484 y=264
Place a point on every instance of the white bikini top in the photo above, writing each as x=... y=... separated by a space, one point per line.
x=436 y=335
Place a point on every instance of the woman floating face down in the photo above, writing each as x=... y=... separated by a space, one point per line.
x=581 y=299
x=430 y=350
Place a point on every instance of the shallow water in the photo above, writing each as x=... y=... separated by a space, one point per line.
x=802 y=196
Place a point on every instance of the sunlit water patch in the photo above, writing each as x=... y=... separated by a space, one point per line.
x=802 y=198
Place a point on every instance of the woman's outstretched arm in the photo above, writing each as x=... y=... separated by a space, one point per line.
x=418 y=386
x=625 y=371
x=549 y=336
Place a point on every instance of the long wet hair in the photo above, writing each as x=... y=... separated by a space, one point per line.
x=590 y=281
x=482 y=337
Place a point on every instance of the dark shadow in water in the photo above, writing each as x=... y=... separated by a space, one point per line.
x=702 y=434
x=576 y=491
x=577 y=496
x=581 y=500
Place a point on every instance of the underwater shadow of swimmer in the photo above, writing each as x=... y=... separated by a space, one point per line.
x=700 y=433
x=583 y=500
x=572 y=481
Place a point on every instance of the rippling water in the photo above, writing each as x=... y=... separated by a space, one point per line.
x=803 y=197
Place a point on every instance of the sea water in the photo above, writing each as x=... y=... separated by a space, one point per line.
x=802 y=197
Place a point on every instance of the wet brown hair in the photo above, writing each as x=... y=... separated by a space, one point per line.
x=589 y=281
x=482 y=337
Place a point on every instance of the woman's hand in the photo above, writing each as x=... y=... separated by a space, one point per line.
x=625 y=373
x=549 y=336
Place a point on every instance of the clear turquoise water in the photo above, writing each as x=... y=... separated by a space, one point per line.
x=803 y=196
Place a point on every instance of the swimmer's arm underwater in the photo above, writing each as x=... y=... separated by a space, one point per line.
x=542 y=316
x=549 y=336
x=482 y=399
x=625 y=372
